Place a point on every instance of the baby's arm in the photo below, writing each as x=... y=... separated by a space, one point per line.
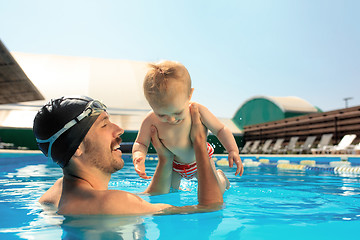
x=224 y=135
x=141 y=146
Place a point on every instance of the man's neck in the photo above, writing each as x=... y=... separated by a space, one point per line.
x=94 y=179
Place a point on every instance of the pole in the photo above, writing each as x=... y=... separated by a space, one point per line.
x=346 y=101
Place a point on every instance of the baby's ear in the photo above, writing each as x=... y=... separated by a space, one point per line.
x=191 y=93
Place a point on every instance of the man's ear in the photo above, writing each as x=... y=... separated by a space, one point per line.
x=79 y=150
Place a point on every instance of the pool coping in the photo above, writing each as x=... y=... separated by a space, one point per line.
x=19 y=151
x=293 y=158
x=257 y=156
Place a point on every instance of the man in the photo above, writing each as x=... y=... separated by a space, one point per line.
x=76 y=132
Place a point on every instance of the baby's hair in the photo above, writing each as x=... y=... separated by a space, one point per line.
x=161 y=75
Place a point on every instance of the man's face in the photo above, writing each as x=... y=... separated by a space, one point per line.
x=102 y=143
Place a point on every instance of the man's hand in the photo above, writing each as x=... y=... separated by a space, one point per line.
x=161 y=182
x=161 y=150
x=198 y=130
x=234 y=157
x=209 y=192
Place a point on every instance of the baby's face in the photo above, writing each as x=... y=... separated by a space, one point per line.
x=173 y=110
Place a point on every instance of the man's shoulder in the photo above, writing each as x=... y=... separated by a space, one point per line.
x=98 y=202
x=53 y=194
x=115 y=194
x=122 y=202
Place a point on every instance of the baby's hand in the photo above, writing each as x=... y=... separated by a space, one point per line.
x=234 y=157
x=139 y=163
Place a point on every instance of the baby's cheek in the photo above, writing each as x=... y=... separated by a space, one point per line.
x=180 y=118
x=186 y=114
x=163 y=119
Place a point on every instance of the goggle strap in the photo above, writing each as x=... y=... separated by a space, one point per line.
x=87 y=112
x=66 y=127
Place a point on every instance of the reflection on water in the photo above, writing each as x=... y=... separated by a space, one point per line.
x=103 y=227
x=40 y=170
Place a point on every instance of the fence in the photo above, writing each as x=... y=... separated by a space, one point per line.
x=338 y=122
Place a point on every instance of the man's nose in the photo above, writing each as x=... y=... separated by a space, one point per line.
x=118 y=130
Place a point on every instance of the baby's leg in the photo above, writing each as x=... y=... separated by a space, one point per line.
x=222 y=179
x=175 y=180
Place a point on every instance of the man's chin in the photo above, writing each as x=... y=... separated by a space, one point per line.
x=119 y=165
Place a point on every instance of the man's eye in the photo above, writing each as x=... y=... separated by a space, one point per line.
x=104 y=124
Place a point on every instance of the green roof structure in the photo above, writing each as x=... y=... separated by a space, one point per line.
x=261 y=109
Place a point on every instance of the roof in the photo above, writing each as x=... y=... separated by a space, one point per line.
x=118 y=83
x=15 y=86
x=289 y=104
x=231 y=125
x=293 y=104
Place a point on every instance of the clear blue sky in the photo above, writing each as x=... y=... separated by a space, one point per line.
x=234 y=50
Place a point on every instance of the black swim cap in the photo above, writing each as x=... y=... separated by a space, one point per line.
x=53 y=116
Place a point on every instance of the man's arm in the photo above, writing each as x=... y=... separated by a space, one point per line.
x=209 y=192
x=161 y=181
x=117 y=202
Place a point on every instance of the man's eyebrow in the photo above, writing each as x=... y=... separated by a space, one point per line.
x=103 y=118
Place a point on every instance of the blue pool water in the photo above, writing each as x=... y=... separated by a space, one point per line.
x=265 y=203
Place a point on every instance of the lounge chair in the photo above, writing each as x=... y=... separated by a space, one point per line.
x=290 y=147
x=246 y=147
x=276 y=146
x=266 y=146
x=342 y=145
x=254 y=147
x=353 y=149
x=306 y=146
x=324 y=141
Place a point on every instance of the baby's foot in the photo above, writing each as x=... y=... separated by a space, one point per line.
x=223 y=178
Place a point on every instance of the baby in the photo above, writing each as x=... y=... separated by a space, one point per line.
x=167 y=88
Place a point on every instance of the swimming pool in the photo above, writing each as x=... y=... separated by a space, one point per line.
x=267 y=202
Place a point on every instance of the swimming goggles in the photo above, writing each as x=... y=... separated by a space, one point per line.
x=92 y=108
